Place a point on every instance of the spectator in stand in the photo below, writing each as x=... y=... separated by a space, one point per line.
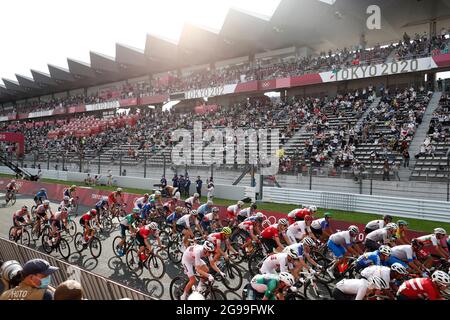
x=406 y=157
x=69 y=290
x=198 y=185
x=386 y=171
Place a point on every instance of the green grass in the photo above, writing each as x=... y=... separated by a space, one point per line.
x=414 y=224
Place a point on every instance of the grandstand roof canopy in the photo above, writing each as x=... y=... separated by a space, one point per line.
x=310 y=23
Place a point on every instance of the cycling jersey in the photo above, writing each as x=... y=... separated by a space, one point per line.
x=233 y=211
x=192 y=200
x=41 y=210
x=204 y=209
x=419 y=288
x=217 y=238
x=68 y=193
x=320 y=224
x=87 y=217
x=379 y=235
x=429 y=240
x=297 y=231
x=64 y=204
x=115 y=198
x=185 y=221
x=128 y=220
x=245 y=212
x=265 y=283
x=247 y=225
x=299 y=214
x=375 y=224
x=146 y=210
x=403 y=252
x=342 y=238
x=41 y=195
x=140 y=202
x=368 y=259
x=19 y=214
x=101 y=204
x=270 y=232
x=146 y=231
x=278 y=261
x=10 y=186
x=251 y=218
x=173 y=217
x=379 y=271
x=297 y=247
x=356 y=287
x=208 y=217
x=193 y=257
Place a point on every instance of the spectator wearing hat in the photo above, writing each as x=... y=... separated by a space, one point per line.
x=36 y=278
x=69 y=290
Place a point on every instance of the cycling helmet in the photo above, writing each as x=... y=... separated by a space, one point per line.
x=196 y=195
x=179 y=209
x=386 y=250
x=293 y=254
x=208 y=246
x=105 y=198
x=119 y=190
x=64 y=209
x=209 y=203
x=153 y=226
x=215 y=210
x=387 y=217
x=392 y=226
x=93 y=211
x=226 y=230
x=136 y=210
x=259 y=215
x=13 y=181
x=353 y=229
x=254 y=206
x=402 y=223
x=309 y=242
x=283 y=222
x=399 y=268
x=24 y=208
x=194 y=213
x=10 y=269
x=46 y=203
x=416 y=243
x=441 y=278
x=377 y=283
x=42 y=189
x=66 y=198
x=73 y=187
x=328 y=215
x=308 y=219
x=146 y=195
x=196 y=296
x=240 y=203
x=440 y=231
x=313 y=208
x=157 y=193
x=287 y=278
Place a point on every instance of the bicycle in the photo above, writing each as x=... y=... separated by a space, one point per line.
x=22 y=235
x=314 y=287
x=152 y=262
x=121 y=251
x=52 y=242
x=233 y=280
x=211 y=292
x=40 y=227
x=94 y=244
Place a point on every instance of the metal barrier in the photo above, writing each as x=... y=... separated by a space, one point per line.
x=95 y=287
x=401 y=207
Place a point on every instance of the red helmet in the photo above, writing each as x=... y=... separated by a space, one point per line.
x=93 y=212
x=308 y=219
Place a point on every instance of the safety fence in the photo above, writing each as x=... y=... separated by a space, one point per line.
x=95 y=287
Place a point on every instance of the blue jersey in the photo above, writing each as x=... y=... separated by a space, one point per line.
x=67 y=193
x=41 y=194
x=252 y=218
x=146 y=210
x=203 y=209
x=369 y=259
x=173 y=217
x=101 y=204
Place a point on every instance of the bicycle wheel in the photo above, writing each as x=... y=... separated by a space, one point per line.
x=132 y=259
x=156 y=267
x=71 y=228
x=236 y=258
x=64 y=248
x=215 y=294
x=174 y=252
x=95 y=246
x=164 y=237
x=10 y=234
x=317 y=290
x=255 y=262
x=25 y=238
x=294 y=296
x=233 y=280
x=79 y=245
x=176 y=287
x=47 y=243
x=116 y=248
x=35 y=234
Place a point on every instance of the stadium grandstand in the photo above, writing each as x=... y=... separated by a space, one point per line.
x=306 y=154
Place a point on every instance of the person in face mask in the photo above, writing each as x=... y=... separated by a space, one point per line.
x=36 y=278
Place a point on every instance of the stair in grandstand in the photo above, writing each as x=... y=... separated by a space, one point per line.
x=20 y=173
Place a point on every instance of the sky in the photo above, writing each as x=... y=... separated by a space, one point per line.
x=36 y=33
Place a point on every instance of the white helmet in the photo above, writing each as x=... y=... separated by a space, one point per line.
x=287 y=278
x=441 y=277
x=259 y=215
x=194 y=213
x=196 y=296
x=153 y=226
x=209 y=203
x=10 y=269
x=119 y=189
x=392 y=226
x=240 y=203
x=157 y=193
x=13 y=181
x=196 y=195
x=440 y=231
x=293 y=254
x=309 y=242
x=208 y=246
x=353 y=229
x=46 y=203
x=399 y=268
x=313 y=208
x=283 y=222
x=386 y=250
x=66 y=198
x=377 y=283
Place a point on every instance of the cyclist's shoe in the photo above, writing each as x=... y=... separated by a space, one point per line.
x=330 y=273
x=140 y=264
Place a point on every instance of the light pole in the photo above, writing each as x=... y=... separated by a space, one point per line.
x=448 y=175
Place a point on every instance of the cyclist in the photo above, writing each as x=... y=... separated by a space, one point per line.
x=341 y=244
x=205 y=209
x=380 y=236
x=247 y=212
x=65 y=203
x=396 y=272
x=40 y=196
x=378 y=257
x=357 y=289
x=173 y=218
x=127 y=223
x=424 y=288
x=183 y=225
x=191 y=201
x=193 y=264
x=156 y=200
x=19 y=220
x=85 y=222
x=301 y=213
x=116 y=200
x=11 y=188
x=249 y=228
x=405 y=255
x=170 y=205
x=142 y=238
x=233 y=210
x=213 y=216
x=300 y=229
x=217 y=239
x=102 y=206
x=55 y=223
x=70 y=192
x=435 y=241
x=303 y=250
x=140 y=202
x=400 y=235
x=377 y=224
x=321 y=227
x=270 y=236
x=270 y=285
x=41 y=210
x=280 y=261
